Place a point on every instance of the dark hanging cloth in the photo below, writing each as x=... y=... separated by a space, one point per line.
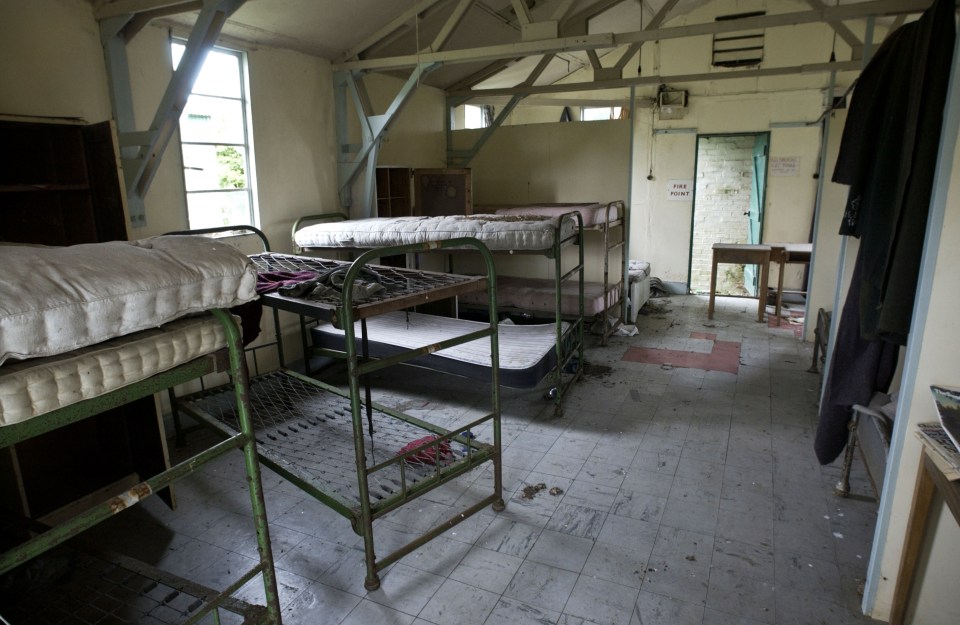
x=250 y=314
x=859 y=368
x=888 y=156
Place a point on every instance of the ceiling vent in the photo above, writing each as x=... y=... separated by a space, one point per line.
x=740 y=48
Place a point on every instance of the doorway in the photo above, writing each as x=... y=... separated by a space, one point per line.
x=731 y=180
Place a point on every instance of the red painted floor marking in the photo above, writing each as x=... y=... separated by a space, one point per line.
x=725 y=356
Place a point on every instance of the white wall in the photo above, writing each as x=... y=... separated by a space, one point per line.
x=661 y=226
x=935 y=341
x=568 y=162
x=67 y=79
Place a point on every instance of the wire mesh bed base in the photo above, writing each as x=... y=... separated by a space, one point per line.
x=305 y=431
x=81 y=586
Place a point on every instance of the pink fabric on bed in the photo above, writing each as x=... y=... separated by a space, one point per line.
x=537 y=294
x=593 y=213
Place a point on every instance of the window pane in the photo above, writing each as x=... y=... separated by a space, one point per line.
x=212 y=120
x=210 y=167
x=220 y=75
x=218 y=208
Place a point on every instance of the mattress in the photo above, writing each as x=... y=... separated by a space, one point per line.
x=34 y=387
x=58 y=299
x=527 y=352
x=497 y=232
x=593 y=214
x=638 y=270
x=538 y=294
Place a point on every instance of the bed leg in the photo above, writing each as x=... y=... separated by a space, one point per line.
x=842 y=489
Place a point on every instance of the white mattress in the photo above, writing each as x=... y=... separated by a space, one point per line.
x=538 y=294
x=34 y=387
x=57 y=299
x=497 y=232
x=520 y=346
x=638 y=270
x=593 y=214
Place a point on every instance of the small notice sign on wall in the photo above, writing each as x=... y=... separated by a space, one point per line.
x=784 y=165
x=679 y=190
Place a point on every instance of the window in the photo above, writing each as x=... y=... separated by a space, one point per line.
x=595 y=113
x=477 y=116
x=215 y=142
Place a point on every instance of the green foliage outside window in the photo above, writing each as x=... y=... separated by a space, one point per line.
x=234 y=174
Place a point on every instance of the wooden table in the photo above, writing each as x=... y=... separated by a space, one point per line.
x=930 y=478
x=741 y=253
x=784 y=254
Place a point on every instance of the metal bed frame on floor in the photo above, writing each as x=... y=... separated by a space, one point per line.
x=138 y=592
x=313 y=434
x=569 y=336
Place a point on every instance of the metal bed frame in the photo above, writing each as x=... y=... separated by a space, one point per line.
x=137 y=592
x=313 y=434
x=609 y=245
x=569 y=340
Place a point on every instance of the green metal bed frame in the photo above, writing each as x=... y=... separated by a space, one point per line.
x=214 y=601
x=313 y=434
x=569 y=341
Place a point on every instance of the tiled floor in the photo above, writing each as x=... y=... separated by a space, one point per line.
x=689 y=496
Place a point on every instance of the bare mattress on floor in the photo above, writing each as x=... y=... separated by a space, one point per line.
x=527 y=352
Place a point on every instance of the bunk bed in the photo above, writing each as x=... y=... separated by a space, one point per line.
x=533 y=235
x=87 y=328
x=362 y=458
x=600 y=299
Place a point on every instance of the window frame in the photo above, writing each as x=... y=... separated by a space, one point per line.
x=247 y=148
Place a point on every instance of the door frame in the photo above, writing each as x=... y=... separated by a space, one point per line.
x=696 y=168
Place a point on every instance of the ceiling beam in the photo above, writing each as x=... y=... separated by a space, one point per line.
x=659 y=18
x=576 y=24
x=489 y=53
x=132 y=7
x=542 y=65
x=610 y=40
x=840 y=28
x=523 y=13
x=451 y=25
x=419 y=7
x=812 y=68
x=482 y=74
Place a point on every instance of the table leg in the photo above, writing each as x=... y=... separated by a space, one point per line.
x=916 y=526
x=764 y=280
x=782 y=262
x=713 y=286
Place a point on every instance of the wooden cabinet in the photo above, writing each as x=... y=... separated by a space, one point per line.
x=402 y=191
x=60 y=185
x=394 y=194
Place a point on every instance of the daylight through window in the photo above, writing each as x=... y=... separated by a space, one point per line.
x=215 y=143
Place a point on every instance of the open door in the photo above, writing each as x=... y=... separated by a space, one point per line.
x=730 y=184
x=755 y=213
